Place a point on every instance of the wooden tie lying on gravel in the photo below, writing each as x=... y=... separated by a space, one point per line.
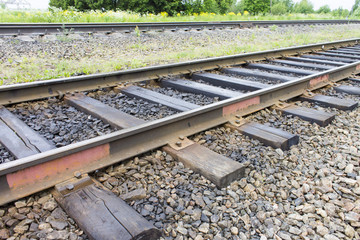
x=269 y=67
x=329 y=58
x=200 y=88
x=333 y=102
x=308 y=114
x=112 y=116
x=100 y=213
x=256 y=73
x=225 y=81
x=18 y=138
x=219 y=169
x=154 y=97
x=269 y=136
x=348 y=89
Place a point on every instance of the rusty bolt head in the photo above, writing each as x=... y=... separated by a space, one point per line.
x=77 y=174
x=181 y=137
x=178 y=144
x=238 y=116
x=237 y=121
x=70 y=186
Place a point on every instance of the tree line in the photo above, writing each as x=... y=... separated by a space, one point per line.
x=173 y=7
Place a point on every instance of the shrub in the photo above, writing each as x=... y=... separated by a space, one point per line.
x=279 y=9
x=324 y=9
x=304 y=6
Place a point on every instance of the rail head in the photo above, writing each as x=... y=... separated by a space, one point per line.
x=44 y=28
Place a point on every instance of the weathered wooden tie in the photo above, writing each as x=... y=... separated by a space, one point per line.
x=348 y=89
x=100 y=213
x=258 y=74
x=351 y=48
x=354 y=79
x=302 y=64
x=281 y=69
x=199 y=88
x=218 y=169
x=327 y=101
x=225 y=81
x=110 y=115
x=269 y=136
x=314 y=116
x=327 y=58
x=318 y=61
x=18 y=138
x=338 y=55
x=345 y=51
x=154 y=97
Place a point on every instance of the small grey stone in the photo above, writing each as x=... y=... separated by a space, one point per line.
x=21 y=229
x=58 y=224
x=145 y=212
x=182 y=230
x=137 y=194
x=349 y=231
x=352 y=216
x=214 y=218
x=284 y=236
x=50 y=205
x=20 y=204
x=43 y=226
x=279 y=152
x=321 y=230
x=149 y=207
x=53 y=235
x=4 y=233
x=331 y=237
x=33 y=227
x=294 y=230
x=308 y=208
x=204 y=228
x=349 y=168
x=223 y=224
x=204 y=218
x=234 y=230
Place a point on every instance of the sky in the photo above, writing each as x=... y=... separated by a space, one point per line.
x=43 y=4
x=346 y=4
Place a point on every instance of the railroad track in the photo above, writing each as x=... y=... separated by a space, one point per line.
x=199 y=95
x=42 y=29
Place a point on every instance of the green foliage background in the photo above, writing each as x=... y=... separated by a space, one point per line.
x=189 y=7
x=148 y=6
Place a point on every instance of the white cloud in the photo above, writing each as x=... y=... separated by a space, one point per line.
x=346 y=4
x=39 y=4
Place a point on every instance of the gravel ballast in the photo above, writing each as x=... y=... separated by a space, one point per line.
x=138 y=108
x=58 y=122
x=311 y=191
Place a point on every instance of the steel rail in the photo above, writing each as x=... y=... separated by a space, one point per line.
x=42 y=28
x=41 y=89
x=38 y=172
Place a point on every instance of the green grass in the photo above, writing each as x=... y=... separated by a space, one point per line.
x=69 y=16
x=43 y=66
